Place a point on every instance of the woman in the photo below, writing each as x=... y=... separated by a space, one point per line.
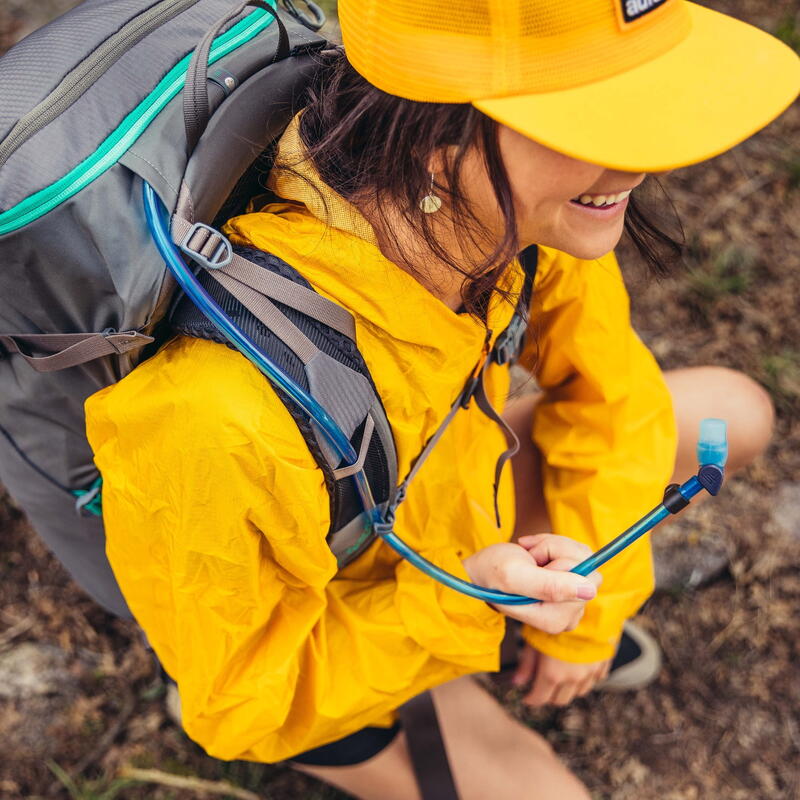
x=448 y=144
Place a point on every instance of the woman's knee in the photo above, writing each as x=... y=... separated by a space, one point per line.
x=494 y=755
x=701 y=392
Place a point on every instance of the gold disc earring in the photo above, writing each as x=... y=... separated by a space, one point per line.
x=430 y=203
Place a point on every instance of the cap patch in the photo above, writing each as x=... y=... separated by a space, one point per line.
x=636 y=9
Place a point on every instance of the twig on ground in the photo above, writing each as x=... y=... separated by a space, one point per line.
x=750 y=186
x=737 y=622
x=15 y=630
x=102 y=746
x=182 y=782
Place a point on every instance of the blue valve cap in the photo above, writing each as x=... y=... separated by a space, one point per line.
x=712 y=447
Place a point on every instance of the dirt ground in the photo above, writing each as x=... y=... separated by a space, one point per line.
x=723 y=719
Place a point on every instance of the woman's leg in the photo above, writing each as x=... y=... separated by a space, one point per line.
x=491 y=755
x=700 y=392
x=697 y=393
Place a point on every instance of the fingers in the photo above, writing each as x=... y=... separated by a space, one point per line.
x=586 y=686
x=552 y=618
x=558 y=683
x=547 y=547
x=510 y=568
x=526 y=667
x=564 y=694
x=541 y=692
x=549 y=585
x=566 y=564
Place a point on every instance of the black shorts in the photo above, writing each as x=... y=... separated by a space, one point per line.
x=368 y=742
x=350 y=750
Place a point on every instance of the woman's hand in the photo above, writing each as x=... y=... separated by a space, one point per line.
x=555 y=682
x=537 y=567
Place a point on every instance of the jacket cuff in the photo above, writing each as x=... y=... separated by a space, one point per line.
x=571 y=646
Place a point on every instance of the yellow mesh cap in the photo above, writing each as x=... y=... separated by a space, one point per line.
x=641 y=85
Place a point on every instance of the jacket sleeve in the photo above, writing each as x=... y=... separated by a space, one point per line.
x=606 y=431
x=216 y=517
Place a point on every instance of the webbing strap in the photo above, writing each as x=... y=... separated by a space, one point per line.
x=292 y=294
x=476 y=389
x=196 y=111
x=427 y=750
x=270 y=284
x=428 y=449
x=266 y=311
x=346 y=472
x=505 y=351
x=70 y=349
x=483 y=403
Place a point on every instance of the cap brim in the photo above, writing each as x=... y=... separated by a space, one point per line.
x=722 y=83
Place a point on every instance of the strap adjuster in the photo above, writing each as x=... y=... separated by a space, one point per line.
x=207 y=246
x=508 y=346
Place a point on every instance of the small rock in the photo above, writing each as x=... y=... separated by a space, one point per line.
x=786 y=510
x=681 y=565
x=33 y=670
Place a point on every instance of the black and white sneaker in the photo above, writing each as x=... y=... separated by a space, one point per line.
x=637 y=662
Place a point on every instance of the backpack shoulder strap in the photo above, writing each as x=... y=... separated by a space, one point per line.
x=508 y=345
x=313 y=341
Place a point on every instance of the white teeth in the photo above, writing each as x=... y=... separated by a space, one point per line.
x=603 y=199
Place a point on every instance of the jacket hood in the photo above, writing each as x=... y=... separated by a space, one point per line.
x=315 y=229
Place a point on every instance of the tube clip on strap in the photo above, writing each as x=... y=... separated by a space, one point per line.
x=384 y=527
x=386 y=524
x=207 y=246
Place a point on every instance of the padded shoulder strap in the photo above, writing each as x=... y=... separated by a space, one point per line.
x=322 y=357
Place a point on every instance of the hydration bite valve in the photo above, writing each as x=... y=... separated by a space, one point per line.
x=712 y=453
x=712 y=446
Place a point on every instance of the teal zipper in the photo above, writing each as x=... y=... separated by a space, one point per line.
x=79 y=79
x=129 y=130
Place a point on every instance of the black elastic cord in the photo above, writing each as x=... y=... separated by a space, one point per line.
x=30 y=463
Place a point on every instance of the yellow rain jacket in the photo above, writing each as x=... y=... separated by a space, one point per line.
x=216 y=513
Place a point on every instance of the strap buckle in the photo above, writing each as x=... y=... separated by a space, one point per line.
x=207 y=246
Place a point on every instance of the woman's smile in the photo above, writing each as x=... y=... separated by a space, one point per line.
x=602 y=210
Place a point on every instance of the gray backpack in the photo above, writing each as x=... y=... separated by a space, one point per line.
x=93 y=104
x=186 y=96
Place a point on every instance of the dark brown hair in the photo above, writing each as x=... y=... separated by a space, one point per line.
x=373 y=149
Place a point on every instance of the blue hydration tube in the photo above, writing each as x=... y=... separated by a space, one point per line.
x=712 y=448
